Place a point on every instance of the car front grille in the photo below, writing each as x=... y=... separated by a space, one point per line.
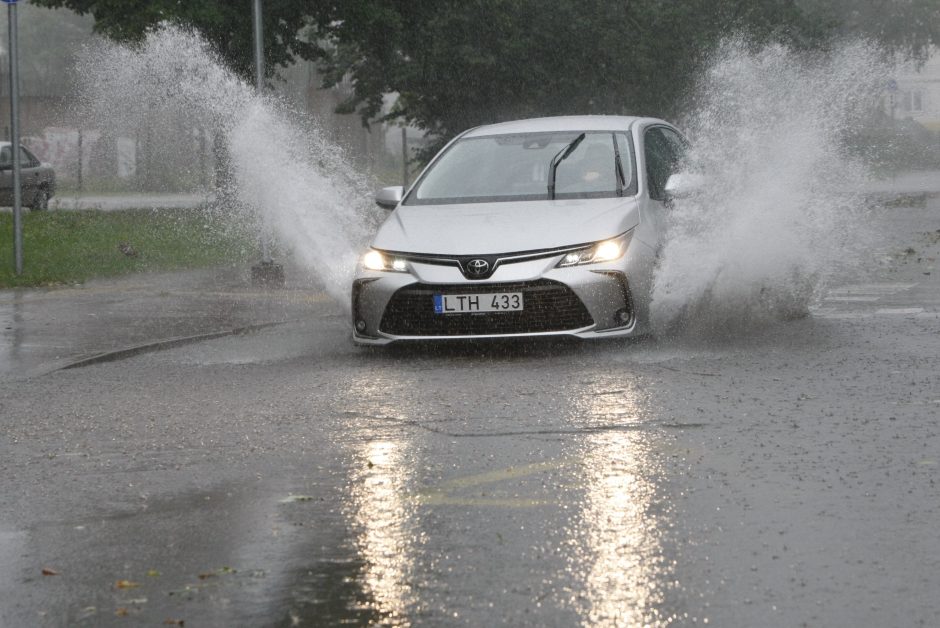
x=549 y=306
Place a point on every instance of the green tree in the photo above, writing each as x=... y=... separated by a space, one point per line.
x=456 y=64
x=226 y=24
x=459 y=63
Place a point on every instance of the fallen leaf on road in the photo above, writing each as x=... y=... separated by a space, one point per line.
x=174 y=622
x=153 y=573
x=87 y=612
x=121 y=612
x=126 y=584
x=296 y=498
x=46 y=571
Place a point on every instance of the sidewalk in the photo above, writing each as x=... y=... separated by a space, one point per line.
x=111 y=202
x=915 y=182
x=45 y=329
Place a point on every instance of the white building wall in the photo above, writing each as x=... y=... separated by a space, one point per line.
x=918 y=94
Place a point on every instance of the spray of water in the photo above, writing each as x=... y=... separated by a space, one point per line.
x=782 y=206
x=287 y=177
x=781 y=210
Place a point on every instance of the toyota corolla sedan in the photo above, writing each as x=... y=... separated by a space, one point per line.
x=539 y=227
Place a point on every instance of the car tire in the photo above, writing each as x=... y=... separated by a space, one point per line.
x=41 y=200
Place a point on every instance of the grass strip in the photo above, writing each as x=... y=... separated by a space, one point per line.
x=67 y=247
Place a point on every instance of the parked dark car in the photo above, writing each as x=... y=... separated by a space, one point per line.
x=36 y=178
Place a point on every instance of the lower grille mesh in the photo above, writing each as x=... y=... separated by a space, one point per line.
x=549 y=306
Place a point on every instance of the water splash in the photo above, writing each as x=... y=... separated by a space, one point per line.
x=783 y=206
x=286 y=174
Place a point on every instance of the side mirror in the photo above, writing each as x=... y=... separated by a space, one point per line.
x=684 y=185
x=389 y=198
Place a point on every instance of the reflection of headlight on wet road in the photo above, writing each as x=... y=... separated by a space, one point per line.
x=623 y=568
x=381 y=516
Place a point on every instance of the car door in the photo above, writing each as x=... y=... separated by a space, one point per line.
x=663 y=151
x=29 y=175
x=6 y=177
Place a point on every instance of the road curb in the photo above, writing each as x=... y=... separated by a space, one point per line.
x=168 y=343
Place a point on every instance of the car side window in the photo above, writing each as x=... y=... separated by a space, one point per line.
x=665 y=151
x=678 y=146
x=6 y=157
x=26 y=159
x=658 y=155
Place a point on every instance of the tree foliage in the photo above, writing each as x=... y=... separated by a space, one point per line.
x=459 y=63
x=456 y=64
x=226 y=24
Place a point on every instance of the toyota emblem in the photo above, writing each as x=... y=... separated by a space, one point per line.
x=478 y=267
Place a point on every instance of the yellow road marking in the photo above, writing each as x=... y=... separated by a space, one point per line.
x=443 y=495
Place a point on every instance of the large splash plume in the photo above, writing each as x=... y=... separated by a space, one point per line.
x=782 y=205
x=286 y=176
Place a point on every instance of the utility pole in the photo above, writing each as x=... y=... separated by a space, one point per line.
x=404 y=158
x=15 y=139
x=81 y=155
x=266 y=272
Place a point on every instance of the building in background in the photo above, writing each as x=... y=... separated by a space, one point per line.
x=86 y=157
x=917 y=95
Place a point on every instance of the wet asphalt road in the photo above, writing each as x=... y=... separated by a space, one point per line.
x=784 y=477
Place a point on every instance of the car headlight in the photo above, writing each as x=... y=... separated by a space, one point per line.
x=376 y=260
x=603 y=251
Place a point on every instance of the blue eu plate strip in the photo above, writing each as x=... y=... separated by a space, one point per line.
x=438 y=304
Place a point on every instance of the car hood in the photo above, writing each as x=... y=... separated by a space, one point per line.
x=491 y=228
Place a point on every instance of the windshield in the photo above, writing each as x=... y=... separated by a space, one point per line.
x=517 y=167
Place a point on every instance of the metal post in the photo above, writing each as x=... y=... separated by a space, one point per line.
x=15 y=141
x=267 y=273
x=203 y=174
x=404 y=157
x=80 y=157
x=259 y=47
x=259 y=86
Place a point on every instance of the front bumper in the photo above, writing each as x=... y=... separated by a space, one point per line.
x=590 y=301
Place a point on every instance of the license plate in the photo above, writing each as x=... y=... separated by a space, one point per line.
x=469 y=303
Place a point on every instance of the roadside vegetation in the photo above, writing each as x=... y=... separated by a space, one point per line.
x=457 y=64
x=65 y=247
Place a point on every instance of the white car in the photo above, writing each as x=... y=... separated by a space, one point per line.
x=539 y=227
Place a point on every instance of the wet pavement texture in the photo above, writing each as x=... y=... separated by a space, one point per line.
x=111 y=202
x=784 y=477
x=45 y=329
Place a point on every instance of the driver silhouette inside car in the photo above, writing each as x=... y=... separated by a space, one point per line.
x=597 y=168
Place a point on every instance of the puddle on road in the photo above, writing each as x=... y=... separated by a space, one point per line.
x=279 y=343
x=12 y=544
x=570 y=530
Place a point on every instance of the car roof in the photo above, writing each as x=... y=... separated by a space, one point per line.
x=559 y=123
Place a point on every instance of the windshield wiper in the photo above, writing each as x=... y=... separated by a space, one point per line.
x=618 y=164
x=559 y=157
